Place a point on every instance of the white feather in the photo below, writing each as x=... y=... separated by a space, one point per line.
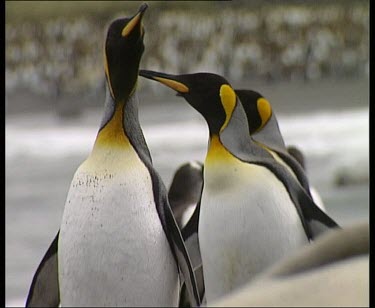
x=112 y=247
x=247 y=222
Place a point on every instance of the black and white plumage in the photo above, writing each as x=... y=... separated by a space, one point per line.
x=252 y=211
x=118 y=244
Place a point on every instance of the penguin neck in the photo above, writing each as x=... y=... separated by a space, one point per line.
x=111 y=133
x=235 y=138
x=270 y=135
x=217 y=153
x=120 y=128
x=223 y=144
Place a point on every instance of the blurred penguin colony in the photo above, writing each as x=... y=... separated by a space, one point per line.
x=125 y=239
x=57 y=52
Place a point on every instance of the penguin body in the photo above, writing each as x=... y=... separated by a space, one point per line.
x=237 y=202
x=118 y=243
x=252 y=211
x=111 y=206
x=264 y=128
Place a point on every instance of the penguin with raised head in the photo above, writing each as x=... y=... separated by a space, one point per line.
x=119 y=244
x=252 y=211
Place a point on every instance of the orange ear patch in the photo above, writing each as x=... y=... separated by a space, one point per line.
x=265 y=110
x=228 y=100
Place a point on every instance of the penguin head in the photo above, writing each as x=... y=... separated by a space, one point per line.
x=258 y=109
x=210 y=94
x=123 y=50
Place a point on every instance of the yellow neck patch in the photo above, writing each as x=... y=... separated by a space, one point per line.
x=265 y=110
x=112 y=134
x=131 y=24
x=217 y=153
x=106 y=70
x=228 y=100
x=173 y=84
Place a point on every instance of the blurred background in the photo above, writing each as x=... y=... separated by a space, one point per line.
x=309 y=58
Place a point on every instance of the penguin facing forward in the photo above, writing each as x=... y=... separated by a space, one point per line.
x=119 y=244
x=252 y=211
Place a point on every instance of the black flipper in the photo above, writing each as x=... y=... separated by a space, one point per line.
x=44 y=290
x=191 y=226
x=182 y=258
x=314 y=220
x=174 y=237
x=297 y=169
x=317 y=220
x=190 y=236
x=186 y=188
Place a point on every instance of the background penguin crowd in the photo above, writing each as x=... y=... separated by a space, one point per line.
x=125 y=240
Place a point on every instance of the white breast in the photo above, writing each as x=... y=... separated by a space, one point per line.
x=112 y=247
x=247 y=222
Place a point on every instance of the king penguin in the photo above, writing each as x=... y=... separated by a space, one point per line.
x=119 y=244
x=252 y=211
x=264 y=128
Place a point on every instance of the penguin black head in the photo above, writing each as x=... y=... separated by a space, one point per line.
x=258 y=109
x=123 y=50
x=210 y=94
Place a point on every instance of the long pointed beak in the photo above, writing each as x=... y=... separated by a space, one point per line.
x=168 y=80
x=135 y=20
